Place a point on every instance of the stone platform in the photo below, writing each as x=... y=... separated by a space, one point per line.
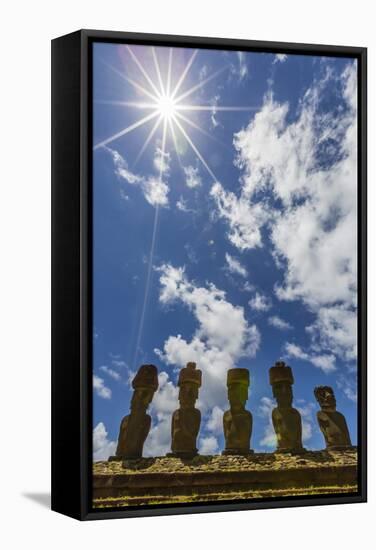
x=210 y=478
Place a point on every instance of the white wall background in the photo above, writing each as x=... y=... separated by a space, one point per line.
x=27 y=27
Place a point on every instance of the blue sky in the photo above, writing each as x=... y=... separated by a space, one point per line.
x=233 y=244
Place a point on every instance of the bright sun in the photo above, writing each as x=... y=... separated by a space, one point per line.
x=166 y=106
x=165 y=109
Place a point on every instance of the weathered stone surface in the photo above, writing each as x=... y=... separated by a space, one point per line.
x=287 y=421
x=186 y=420
x=332 y=423
x=205 y=478
x=135 y=427
x=237 y=421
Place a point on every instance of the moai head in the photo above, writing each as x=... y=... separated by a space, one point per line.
x=281 y=380
x=326 y=398
x=145 y=384
x=189 y=383
x=237 y=388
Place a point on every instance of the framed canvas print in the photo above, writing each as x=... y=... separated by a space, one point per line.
x=208 y=274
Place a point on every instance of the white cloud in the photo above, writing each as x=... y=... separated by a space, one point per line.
x=121 y=168
x=279 y=323
x=214 y=103
x=165 y=401
x=310 y=166
x=182 y=205
x=280 y=58
x=264 y=410
x=335 y=328
x=191 y=253
x=161 y=161
x=239 y=68
x=248 y=287
x=102 y=446
x=235 y=266
x=349 y=386
x=100 y=388
x=115 y=375
x=208 y=445
x=324 y=362
x=154 y=189
x=223 y=335
x=158 y=442
x=243 y=69
x=260 y=302
x=215 y=421
x=192 y=178
x=119 y=363
x=245 y=219
x=307 y=410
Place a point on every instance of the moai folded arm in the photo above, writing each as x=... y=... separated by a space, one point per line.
x=287 y=421
x=134 y=428
x=237 y=422
x=186 y=420
x=332 y=423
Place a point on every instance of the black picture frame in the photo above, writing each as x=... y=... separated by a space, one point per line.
x=72 y=271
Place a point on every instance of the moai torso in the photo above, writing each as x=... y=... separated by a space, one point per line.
x=287 y=421
x=334 y=429
x=133 y=432
x=184 y=430
x=134 y=427
x=287 y=425
x=237 y=422
x=237 y=430
x=185 y=423
x=332 y=423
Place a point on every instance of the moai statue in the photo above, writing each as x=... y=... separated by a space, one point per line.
x=134 y=427
x=332 y=423
x=186 y=420
x=237 y=422
x=287 y=421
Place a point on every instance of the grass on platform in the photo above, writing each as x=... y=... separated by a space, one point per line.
x=186 y=499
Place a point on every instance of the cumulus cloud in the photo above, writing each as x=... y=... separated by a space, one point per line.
x=182 y=205
x=280 y=58
x=100 y=388
x=309 y=165
x=102 y=446
x=279 y=323
x=165 y=401
x=324 y=362
x=260 y=302
x=111 y=372
x=348 y=384
x=154 y=189
x=234 y=266
x=335 y=328
x=215 y=421
x=264 y=410
x=192 y=177
x=208 y=445
x=223 y=336
x=244 y=218
x=161 y=161
x=307 y=410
